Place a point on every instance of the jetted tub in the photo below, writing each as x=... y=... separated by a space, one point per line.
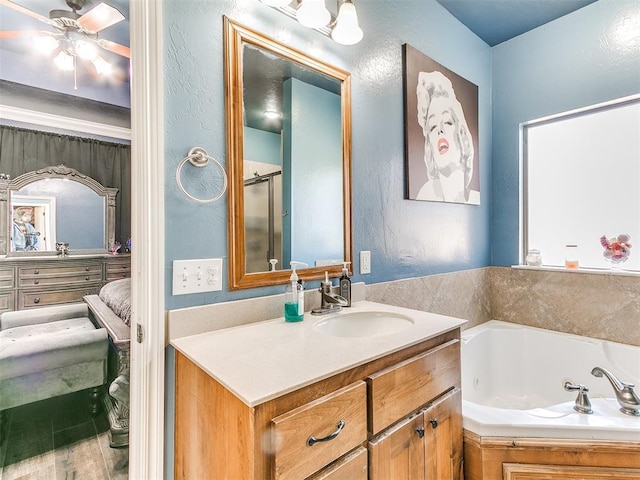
x=513 y=380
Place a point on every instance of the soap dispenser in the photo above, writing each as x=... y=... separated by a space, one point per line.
x=345 y=284
x=294 y=298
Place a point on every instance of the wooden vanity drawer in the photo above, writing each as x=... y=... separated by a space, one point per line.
x=292 y=432
x=353 y=466
x=403 y=388
x=38 y=298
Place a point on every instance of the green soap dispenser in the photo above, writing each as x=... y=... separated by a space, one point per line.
x=294 y=297
x=345 y=284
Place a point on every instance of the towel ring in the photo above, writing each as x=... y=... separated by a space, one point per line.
x=198 y=158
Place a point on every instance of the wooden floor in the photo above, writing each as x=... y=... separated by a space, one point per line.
x=57 y=439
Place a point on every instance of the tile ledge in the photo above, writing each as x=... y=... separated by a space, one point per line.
x=592 y=271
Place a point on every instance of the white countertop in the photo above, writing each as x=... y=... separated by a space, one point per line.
x=261 y=361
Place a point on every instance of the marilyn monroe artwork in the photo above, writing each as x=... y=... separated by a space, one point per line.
x=441 y=132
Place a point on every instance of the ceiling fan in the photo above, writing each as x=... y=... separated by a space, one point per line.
x=75 y=34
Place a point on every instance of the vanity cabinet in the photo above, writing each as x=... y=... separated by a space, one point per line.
x=40 y=282
x=425 y=445
x=341 y=427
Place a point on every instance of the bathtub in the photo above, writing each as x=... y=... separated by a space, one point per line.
x=513 y=380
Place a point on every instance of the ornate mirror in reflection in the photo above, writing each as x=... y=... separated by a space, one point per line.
x=56 y=205
x=289 y=161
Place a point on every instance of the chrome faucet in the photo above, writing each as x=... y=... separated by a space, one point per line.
x=582 y=405
x=627 y=398
x=329 y=302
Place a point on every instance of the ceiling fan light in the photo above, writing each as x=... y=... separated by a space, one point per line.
x=102 y=66
x=313 y=14
x=347 y=31
x=45 y=43
x=86 y=50
x=64 y=61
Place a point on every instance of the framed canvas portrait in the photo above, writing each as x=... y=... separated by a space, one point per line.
x=441 y=132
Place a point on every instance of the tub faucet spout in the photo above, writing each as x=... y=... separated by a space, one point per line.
x=627 y=398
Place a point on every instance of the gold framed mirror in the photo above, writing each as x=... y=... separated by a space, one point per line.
x=308 y=218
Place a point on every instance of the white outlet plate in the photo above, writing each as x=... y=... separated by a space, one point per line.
x=365 y=262
x=197 y=276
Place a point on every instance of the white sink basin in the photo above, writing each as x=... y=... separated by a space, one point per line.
x=363 y=324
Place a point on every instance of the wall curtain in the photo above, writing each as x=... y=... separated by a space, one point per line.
x=23 y=150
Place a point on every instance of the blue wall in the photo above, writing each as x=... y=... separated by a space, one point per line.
x=313 y=230
x=261 y=146
x=582 y=59
x=406 y=238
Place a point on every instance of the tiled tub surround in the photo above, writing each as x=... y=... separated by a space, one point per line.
x=600 y=306
x=465 y=294
x=594 y=305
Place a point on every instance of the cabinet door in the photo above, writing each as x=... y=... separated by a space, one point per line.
x=398 y=453
x=443 y=437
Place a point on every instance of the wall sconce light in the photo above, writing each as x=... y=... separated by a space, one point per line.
x=314 y=14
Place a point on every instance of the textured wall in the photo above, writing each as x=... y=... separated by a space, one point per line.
x=406 y=239
x=584 y=58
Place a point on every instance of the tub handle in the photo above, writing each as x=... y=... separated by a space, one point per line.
x=434 y=423
x=582 y=404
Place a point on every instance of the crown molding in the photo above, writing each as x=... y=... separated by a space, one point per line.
x=66 y=123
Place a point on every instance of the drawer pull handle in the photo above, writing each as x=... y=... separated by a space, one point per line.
x=420 y=432
x=36 y=282
x=434 y=423
x=36 y=300
x=36 y=272
x=86 y=278
x=331 y=436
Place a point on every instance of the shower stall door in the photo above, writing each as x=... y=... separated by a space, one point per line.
x=263 y=221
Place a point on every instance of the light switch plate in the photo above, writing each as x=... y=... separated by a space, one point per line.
x=197 y=276
x=365 y=262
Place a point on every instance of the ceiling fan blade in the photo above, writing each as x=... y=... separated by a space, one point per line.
x=99 y=17
x=115 y=47
x=26 y=11
x=17 y=33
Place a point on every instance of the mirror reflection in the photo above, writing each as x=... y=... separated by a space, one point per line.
x=292 y=164
x=56 y=210
x=54 y=207
x=289 y=161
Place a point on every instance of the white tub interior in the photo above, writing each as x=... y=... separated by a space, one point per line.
x=513 y=380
